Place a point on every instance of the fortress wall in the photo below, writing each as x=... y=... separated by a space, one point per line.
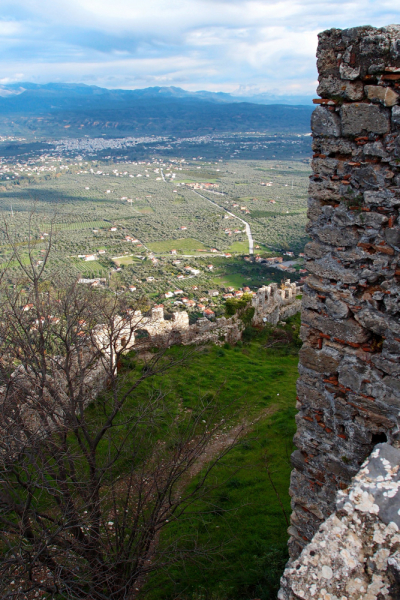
x=271 y=305
x=349 y=384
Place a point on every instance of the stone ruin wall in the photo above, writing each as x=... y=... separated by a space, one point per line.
x=271 y=305
x=349 y=384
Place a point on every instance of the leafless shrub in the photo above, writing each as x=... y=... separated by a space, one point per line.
x=90 y=472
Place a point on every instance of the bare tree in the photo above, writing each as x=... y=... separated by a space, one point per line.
x=91 y=471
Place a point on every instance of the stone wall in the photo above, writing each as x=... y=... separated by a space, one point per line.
x=356 y=553
x=349 y=384
x=159 y=332
x=273 y=304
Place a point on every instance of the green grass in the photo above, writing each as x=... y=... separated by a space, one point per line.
x=235 y=280
x=246 y=519
x=90 y=269
x=125 y=260
x=240 y=247
x=74 y=226
x=243 y=515
x=184 y=246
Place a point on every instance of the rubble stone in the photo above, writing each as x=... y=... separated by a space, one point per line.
x=332 y=87
x=396 y=115
x=385 y=95
x=355 y=554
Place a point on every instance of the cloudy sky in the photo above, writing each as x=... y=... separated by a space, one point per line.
x=245 y=46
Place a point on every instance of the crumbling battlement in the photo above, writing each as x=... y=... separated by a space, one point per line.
x=153 y=330
x=273 y=304
x=349 y=384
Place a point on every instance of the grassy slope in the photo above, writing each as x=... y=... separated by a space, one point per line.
x=247 y=517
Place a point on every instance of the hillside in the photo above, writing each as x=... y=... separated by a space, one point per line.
x=67 y=109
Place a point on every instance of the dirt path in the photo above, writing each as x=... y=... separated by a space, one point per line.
x=224 y=440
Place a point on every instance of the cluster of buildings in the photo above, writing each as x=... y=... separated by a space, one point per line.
x=203 y=186
x=94 y=145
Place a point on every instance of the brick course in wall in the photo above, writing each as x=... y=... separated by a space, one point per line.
x=349 y=384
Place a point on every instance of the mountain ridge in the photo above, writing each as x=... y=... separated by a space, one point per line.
x=55 y=109
x=62 y=92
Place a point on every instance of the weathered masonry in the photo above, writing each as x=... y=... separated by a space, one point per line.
x=349 y=385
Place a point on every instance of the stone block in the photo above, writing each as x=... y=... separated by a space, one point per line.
x=325 y=123
x=315 y=250
x=376 y=321
x=348 y=72
x=396 y=115
x=387 y=366
x=336 y=236
x=353 y=374
x=336 y=308
x=329 y=268
x=349 y=331
x=329 y=146
x=381 y=198
x=319 y=360
x=311 y=396
x=358 y=119
x=375 y=149
x=331 y=87
x=392 y=236
x=384 y=95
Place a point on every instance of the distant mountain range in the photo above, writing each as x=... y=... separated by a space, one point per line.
x=50 y=109
x=62 y=93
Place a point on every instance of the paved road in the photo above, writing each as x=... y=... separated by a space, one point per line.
x=248 y=230
x=162 y=175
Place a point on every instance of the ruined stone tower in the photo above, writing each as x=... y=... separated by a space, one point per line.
x=349 y=385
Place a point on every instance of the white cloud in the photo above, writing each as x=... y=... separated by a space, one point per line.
x=9 y=28
x=196 y=44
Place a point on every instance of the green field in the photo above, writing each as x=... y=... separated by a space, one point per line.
x=184 y=246
x=93 y=195
x=90 y=269
x=124 y=260
x=239 y=247
x=76 y=225
x=238 y=273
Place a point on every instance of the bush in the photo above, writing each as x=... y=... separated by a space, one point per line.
x=249 y=333
x=234 y=305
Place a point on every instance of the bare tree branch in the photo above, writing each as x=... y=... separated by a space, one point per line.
x=92 y=470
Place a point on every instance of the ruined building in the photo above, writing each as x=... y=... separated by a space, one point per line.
x=271 y=305
x=349 y=384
